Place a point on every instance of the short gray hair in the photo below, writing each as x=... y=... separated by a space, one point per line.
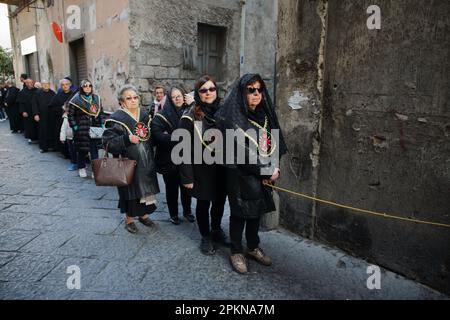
x=125 y=88
x=65 y=80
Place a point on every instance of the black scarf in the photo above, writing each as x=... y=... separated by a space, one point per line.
x=171 y=113
x=235 y=112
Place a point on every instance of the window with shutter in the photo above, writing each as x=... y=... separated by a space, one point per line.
x=211 y=44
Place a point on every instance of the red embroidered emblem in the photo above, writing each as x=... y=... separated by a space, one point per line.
x=93 y=108
x=141 y=130
x=264 y=142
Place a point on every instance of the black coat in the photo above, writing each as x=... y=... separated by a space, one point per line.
x=116 y=138
x=82 y=116
x=248 y=197
x=25 y=100
x=3 y=93
x=47 y=123
x=163 y=125
x=12 y=109
x=209 y=179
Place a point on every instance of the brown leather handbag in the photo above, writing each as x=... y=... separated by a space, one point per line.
x=113 y=172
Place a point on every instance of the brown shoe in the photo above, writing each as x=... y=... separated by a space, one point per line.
x=147 y=222
x=239 y=263
x=131 y=228
x=260 y=257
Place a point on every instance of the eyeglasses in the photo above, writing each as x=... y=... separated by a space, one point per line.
x=87 y=86
x=203 y=91
x=177 y=97
x=252 y=90
x=132 y=98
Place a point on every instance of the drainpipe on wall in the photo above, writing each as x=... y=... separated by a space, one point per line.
x=242 y=45
x=37 y=46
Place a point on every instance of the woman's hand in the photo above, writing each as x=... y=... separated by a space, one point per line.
x=276 y=175
x=134 y=139
x=189 y=186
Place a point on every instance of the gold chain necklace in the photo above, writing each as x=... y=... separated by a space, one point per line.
x=263 y=153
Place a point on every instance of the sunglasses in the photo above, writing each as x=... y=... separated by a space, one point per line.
x=87 y=86
x=252 y=90
x=132 y=98
x=203 y=91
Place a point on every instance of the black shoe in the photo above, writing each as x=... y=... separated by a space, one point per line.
x=219 y=237
x=131 y=228
x=190 y=217
x=147 y=222
x=43 y=151
x=175 y=220
x=207 y=247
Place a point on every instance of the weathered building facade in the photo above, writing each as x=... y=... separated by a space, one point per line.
x=144 y=42
x=367 y=118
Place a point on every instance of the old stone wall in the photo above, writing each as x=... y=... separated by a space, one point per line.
x=374 y=134
x=164 y=41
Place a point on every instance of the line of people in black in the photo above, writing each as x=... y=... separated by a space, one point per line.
x=70 y=115
x=57 y=121
x=131 y=132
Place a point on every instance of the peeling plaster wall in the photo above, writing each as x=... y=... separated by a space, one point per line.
x=105 y=28
x=381 y=132
x=299 y=107
x=108 y=50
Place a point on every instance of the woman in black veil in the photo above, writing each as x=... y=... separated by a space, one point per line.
x=248 y=106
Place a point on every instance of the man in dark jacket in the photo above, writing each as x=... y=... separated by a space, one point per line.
x=26 y=110
x=12 y=108
x=3 y=91
x=41 y=114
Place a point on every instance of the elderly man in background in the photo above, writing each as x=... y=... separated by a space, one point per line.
x=45 y=118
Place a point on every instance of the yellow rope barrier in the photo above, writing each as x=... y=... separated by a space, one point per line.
x=373 y=213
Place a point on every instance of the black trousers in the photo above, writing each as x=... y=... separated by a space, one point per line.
x=203 y=213
x=237 y=226
x=173 y=184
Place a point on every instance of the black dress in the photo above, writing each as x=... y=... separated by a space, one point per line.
x=25 y=100
x=41 y=103
x=12 y=109
x=116 y=138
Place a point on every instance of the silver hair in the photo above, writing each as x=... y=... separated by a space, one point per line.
x=64 y=80
x=45 y=81
x=125 y=88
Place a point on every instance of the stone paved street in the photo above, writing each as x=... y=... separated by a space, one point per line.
x=51 y=219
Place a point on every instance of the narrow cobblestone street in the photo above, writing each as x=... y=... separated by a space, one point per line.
x=51 y=219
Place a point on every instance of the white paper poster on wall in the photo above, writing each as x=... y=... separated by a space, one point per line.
x=28 y=46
